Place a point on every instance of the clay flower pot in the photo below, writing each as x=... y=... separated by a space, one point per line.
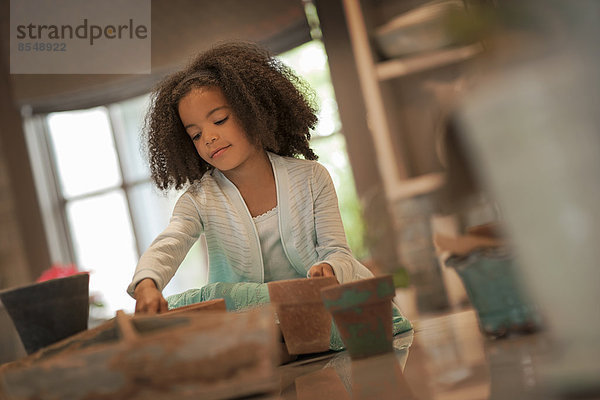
x=304 y=321
x=46 y=312
x=362 y=311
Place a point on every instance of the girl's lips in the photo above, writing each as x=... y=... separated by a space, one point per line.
x=219 y=151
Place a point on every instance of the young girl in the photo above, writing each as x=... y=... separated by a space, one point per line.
x=228 y=127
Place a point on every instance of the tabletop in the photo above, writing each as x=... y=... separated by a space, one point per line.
x=444 y=358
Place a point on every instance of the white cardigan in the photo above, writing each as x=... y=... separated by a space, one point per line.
x=309 y=224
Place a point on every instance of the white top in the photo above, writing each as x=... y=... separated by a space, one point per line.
x=310 y=228
x=276 y=264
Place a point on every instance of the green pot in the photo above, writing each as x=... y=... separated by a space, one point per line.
x=362 y=312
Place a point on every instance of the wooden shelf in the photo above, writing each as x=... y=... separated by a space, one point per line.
x=404 y=66
x=417 y=186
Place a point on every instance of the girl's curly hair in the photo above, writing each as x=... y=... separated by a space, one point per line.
x=274 y=106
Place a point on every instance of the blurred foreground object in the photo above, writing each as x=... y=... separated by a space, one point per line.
x=208 y=355
x=532 y=130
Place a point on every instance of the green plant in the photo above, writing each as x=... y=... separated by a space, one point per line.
x=401 y=277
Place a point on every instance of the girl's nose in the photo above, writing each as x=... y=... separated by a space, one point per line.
x=210 y=138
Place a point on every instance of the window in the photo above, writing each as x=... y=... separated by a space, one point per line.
x=102 y=211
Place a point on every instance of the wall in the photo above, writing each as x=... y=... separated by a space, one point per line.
x=25 y=252
x=13 y=264
x=14 y=270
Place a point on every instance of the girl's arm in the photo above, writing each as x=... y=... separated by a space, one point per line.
x=331 y=245
x=167 y=251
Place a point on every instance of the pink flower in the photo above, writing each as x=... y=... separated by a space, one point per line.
x=58 y=271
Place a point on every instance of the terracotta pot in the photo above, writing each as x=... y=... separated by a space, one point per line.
x=304 y=321
x=362 y=311
x=46 y=312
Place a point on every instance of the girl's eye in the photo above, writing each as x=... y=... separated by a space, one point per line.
x=196 y=136
x=222 y=121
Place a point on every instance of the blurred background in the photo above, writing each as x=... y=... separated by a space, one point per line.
x=436 y=118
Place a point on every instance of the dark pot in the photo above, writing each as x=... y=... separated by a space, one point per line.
x=46 y=312
x=362 y=311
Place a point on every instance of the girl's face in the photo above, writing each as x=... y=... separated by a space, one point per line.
x=217 y=134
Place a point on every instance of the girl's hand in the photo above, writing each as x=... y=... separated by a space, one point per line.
x=148 y=298
x=322 y=269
